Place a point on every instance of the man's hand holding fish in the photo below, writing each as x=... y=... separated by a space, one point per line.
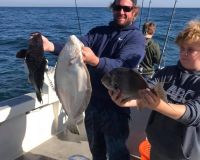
x=48 y=46
x=89 y=57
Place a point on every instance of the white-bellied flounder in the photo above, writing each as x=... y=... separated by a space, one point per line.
x=72 y=82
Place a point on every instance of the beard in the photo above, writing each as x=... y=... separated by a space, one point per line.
x=122 y=21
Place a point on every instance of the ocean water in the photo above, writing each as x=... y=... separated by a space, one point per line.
x=57 y=24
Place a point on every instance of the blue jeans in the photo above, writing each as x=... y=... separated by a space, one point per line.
x=107 y=132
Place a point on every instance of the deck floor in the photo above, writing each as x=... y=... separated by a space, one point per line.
x=60 y=148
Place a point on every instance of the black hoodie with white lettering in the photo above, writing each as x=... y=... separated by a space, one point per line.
x=177 y=139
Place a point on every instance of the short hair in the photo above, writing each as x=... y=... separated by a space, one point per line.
x=149 y=28
x=190 y=34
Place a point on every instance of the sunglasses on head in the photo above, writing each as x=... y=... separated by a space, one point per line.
x=125 y=8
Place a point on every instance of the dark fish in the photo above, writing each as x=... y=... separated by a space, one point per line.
x=129 y=82
x=35 y=61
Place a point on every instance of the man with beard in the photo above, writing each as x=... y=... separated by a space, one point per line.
x=119 y=44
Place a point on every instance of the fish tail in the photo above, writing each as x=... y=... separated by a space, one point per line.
x=37 y=91
x=39 y=96
x=73 y=128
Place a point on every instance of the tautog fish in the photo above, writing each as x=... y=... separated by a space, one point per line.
x=35 y=61
x=72 y=82
x=129 y=82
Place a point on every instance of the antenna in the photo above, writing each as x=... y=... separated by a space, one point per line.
x=141 y=14
x=78 y=18
x=166 y=39
x=148 y=11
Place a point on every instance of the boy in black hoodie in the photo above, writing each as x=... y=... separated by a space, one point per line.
x=173 y=129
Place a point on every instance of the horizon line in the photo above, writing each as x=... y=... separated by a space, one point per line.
x=92 y=6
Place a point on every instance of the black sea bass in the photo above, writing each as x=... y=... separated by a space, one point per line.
x=35 y=61
x=129 y=81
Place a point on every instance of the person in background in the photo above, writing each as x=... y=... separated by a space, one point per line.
x=119 y=44
x=152 y=56
x=173 y=129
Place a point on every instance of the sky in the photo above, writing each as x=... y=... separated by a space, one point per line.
x=96 y=3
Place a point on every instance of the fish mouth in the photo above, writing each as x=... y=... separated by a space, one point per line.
x=35 y=40
x=34 y=34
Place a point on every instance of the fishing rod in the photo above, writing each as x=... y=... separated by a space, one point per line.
x=166 y=39
x=141 y=13
x=78 y=18
x=148 y=11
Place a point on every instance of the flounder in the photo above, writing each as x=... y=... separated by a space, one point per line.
x=129 y=82
x=72 y=82
x=35 y=61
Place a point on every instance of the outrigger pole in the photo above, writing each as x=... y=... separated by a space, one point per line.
x=78 y=18
x=148 y=11
x=141 y=14
x=166 y=39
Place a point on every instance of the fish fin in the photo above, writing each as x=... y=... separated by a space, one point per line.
x=159 y=91
x=39 y=96
x=38 y=93
x=73 y=128
x=22 y=53
x=74 y=59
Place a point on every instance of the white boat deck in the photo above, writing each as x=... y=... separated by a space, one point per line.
x=58 y=148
